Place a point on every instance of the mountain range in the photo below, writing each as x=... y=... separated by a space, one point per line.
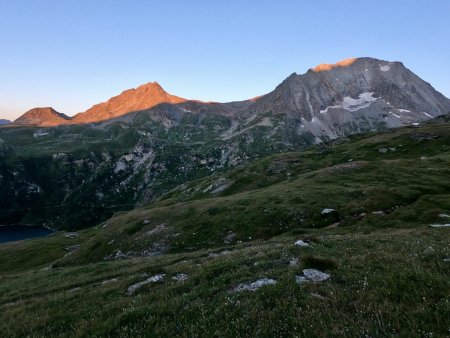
x=327 y=100
x=70 y=172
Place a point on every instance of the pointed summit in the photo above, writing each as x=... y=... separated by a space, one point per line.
x=143 y=97
x=46 y=117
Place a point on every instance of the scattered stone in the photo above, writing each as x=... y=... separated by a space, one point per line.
x=72 y=248
x=316 y=275
x=301 y=279
x=111 y=242
x=423 y=136
x=255 y=285
x=74 y=290
x=220 y=253
x=440 y=225
x=423 y=158
x=154 y=279
x=71 y=235
x=146 y=221
x=382 y=150
x=218 y=186
x=301 y=243
x=316 y=295
x=181 y=277
x=229 y=238
x=379 y=213
x=157 y=229
x=327 y=211
x=293 y=262
x=447 y=260
x=332 y=226
x=108 y=281
x=118 y=254
x=444 y=216
x=277 y=167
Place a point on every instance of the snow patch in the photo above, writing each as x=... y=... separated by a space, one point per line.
x=365 y=99
x=404 y=110
x=428 y=115
x=385 y=68
x=324 y=111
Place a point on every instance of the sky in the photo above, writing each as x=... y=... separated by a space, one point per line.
x=72 y=54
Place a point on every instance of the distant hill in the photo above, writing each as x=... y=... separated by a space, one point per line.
x=46 y=116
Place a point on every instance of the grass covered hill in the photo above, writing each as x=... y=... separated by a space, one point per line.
x=217 y=256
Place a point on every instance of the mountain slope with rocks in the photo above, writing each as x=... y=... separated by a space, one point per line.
x=77 y=174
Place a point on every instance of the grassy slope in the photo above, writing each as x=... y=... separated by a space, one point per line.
x=410 y=190
x=389 y=277
x=383 y=284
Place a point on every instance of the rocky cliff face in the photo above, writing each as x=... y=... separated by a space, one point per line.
x=353 y=95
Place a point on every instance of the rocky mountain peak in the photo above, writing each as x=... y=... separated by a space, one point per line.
x=143 y=97
x=45 y=116
x=327 y=66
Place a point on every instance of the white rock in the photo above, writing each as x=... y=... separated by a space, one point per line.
x=181 y=277
x=316 y=275
x=327 y=211
x=378 y=212
x=108 y=281
x=301 y=279
x=154 y=279
x=293 y=262
x=220 y=253
x=444 y=216
x=440 y=225
x=71 y=235
x=255 y=285
x=301 y=243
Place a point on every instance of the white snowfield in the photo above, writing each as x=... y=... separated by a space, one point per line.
x=363 y=101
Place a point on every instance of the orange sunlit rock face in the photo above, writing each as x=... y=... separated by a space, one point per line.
x=256 y=98
x=140 y=98
x=326 y=66
x=45 y=117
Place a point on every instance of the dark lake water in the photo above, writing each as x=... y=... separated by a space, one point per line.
x=11 y=233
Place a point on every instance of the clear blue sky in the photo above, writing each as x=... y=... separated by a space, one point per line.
x=71 y=54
